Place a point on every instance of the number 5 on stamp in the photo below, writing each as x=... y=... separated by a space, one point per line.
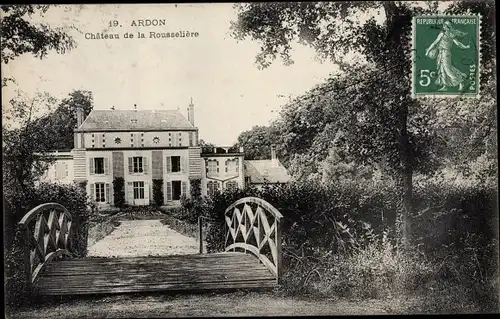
x=446 y=56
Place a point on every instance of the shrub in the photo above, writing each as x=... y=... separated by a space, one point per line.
x=158 y=192
x=340 y=239
x=119 y=191
x=195 y=188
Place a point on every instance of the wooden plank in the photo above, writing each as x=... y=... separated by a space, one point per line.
x=125 y=270
x=138 y=274
x=164 y=274
x=147 y=261
x=60 y=265
x=65 y=264
x=161 y=287
x=122 y=282
x=56 y=273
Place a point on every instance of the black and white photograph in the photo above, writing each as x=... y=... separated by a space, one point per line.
x=329 y=158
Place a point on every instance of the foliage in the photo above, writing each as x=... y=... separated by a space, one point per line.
x=206 y=147
x=20 y=35
x=158 y=192
x=366 y=109
x=119 y=191
x=195 y=187
x=59 y=125
x=257 y=142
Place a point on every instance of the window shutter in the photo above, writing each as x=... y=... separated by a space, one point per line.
x=145 y=164
x=108 y=200
x=130 y=165
x=146 y=192
x=91 y=166
x=183 y=188
x=106 y=166
x=130 y=192
x=183 y=164
x=169 y=164
x=92 y=191
x=169 y=191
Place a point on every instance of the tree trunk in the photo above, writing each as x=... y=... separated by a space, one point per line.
x=395 y=19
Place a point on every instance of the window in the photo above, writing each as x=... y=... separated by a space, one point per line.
x=191 y=143
x=138 y=165
x=212 y=167
x=212 y=186
x=61 y=170
x=100 y=196
x=176 y=164
x=99 y=165
x=232 y=185
x=138 y=190
x=231 y=166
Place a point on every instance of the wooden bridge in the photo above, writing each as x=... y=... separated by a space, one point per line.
x=252 y=257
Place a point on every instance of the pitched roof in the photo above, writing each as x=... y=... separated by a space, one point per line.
x=102 y=120
x=260 y=171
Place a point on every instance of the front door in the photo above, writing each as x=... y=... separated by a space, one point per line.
x=141 y=193
x=176 y=190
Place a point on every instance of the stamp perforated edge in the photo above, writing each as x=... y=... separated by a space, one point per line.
x=413 y=57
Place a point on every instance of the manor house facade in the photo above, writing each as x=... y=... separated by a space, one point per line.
x=153 y=146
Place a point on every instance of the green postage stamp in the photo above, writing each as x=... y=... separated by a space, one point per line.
x=446 y=56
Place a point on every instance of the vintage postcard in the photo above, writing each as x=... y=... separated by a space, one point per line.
x=249 y=159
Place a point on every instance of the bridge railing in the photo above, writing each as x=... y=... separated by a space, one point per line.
x=253 y=225
x=47 y=235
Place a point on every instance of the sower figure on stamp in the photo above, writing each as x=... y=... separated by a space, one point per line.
x=440 y=49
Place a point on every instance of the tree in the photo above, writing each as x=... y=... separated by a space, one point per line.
x=61 y=123
x=257 y=142
x=21 y=36
x=394 y=125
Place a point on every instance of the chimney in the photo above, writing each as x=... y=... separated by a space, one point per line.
x=274 y=160
x=79 y=115
x=191 y=112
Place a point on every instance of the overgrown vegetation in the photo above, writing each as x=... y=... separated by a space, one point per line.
x=341 y=240
x=158 y=192
x=119 y=191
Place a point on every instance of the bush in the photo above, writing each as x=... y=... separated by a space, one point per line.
x=72 y=197
x=119 y=191
x=158 y=192
x=340 y=239
x=195 y=188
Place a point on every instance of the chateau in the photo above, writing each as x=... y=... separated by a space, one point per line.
x=153 y=147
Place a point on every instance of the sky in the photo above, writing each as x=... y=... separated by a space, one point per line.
x=219 y=73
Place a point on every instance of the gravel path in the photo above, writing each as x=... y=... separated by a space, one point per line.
x=135 y=238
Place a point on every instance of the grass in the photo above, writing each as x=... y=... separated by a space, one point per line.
x=203 y=305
